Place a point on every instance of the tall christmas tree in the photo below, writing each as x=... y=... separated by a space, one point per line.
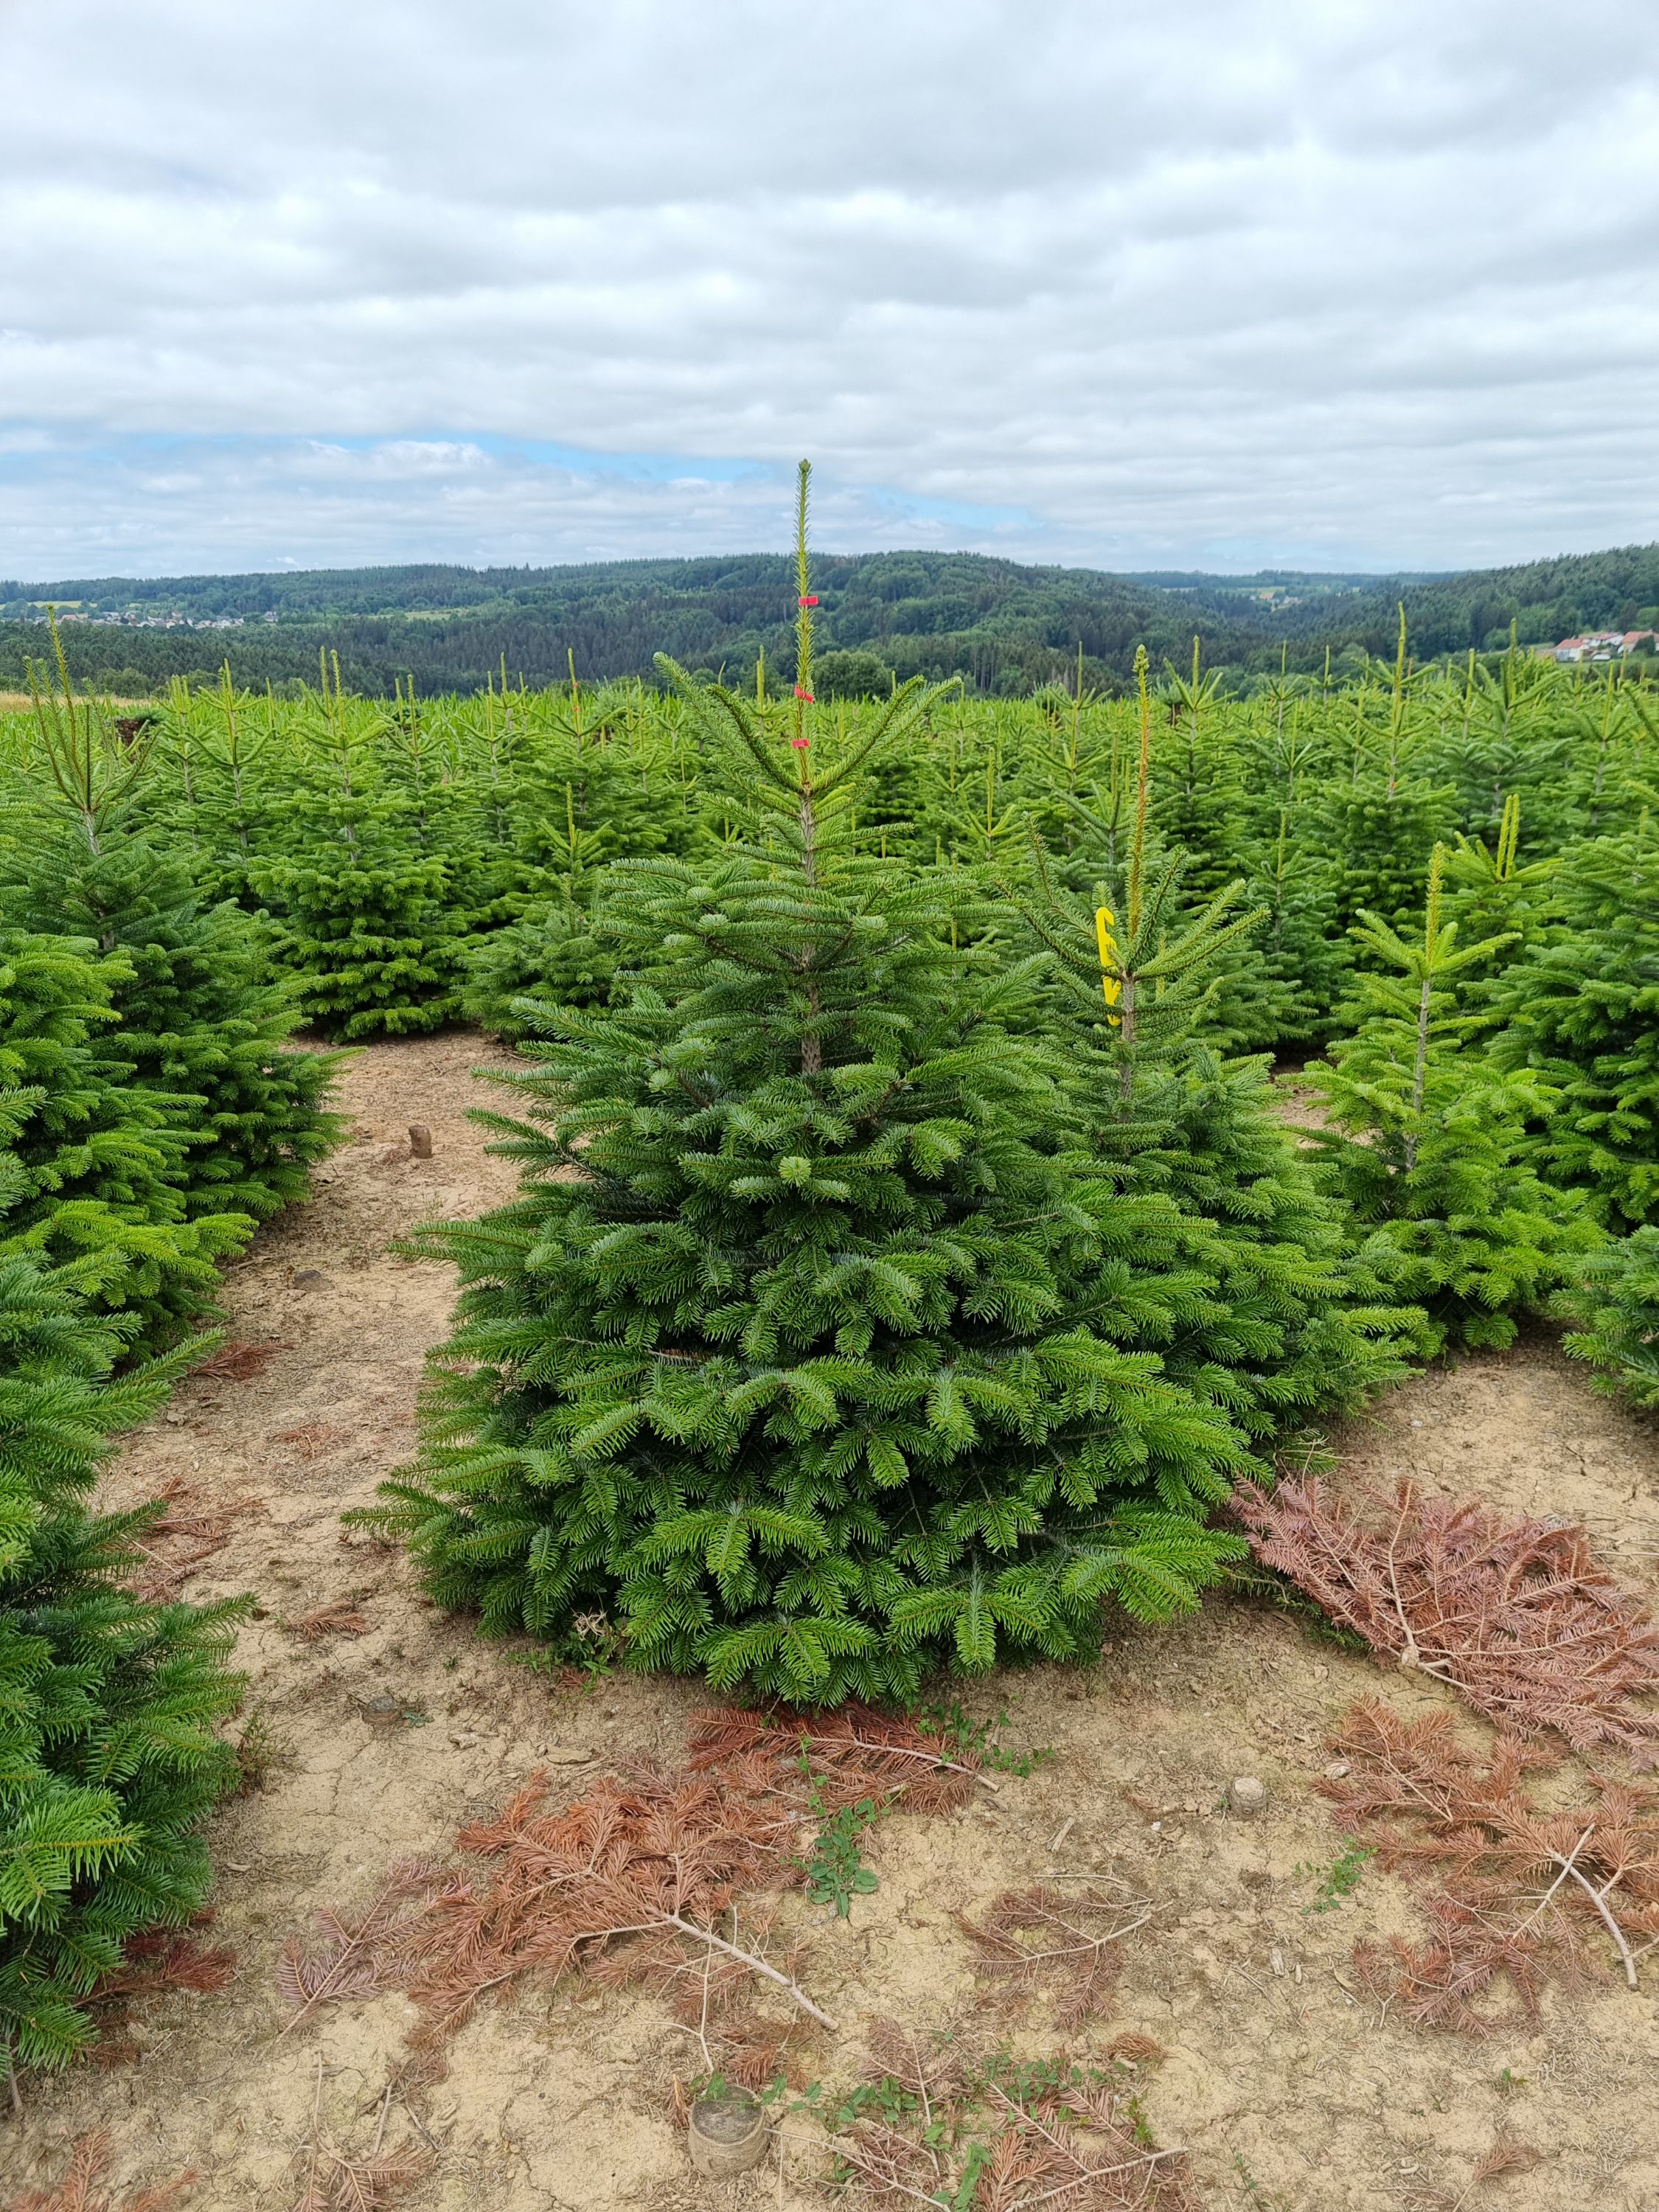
x=201 y=1027
x=1250 y=1283
x=363 y=913
x=1580 y=1010
x=1425 y=1138
x=794 y=1353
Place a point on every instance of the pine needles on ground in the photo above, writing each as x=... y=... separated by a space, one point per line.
x=180 y=1531
x=1515 y=1615
x=1515 y=1887
x=1063 y=1941
x=941 y=2121
x=638 y=1883
x=82 y=2188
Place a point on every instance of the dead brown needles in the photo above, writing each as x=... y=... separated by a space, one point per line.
x=334 y=2179
x=162 y=1960
x=1063 y=1942
x=83 y=2187
x=183 y=1536
x=1518 y=1616
x=953 y=2129
x=1517 y=1890
x=1506 y=2156
x=311 y=1439
x=656 y=1880
x=240 y=1362
x=336 y=2182
x=341 y=1616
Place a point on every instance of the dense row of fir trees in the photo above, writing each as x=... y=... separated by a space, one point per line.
x=912 y=1249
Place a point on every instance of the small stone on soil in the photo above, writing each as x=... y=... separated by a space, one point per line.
x=1247 y=1796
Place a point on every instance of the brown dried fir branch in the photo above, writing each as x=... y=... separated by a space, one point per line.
x=1520 y=1890
x=352 y=1959
x=341 y=1616
x=856 y=1753
x=183 y=1536
x=655 y=1857
x=1506 y=2156
x=240 y=1363
x=1517 y=1615
x=1064 y=1942
x=335 y=2181
x=82 y=2190
x=169 y=1959
x=640 y=1881
x=1005 y=2142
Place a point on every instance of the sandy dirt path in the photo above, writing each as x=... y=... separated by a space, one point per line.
x=1290 y=2091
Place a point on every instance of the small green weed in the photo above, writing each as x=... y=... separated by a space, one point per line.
x=1342 y=1878
x=588 y=1652
x=259 y=1752
x=835 y=1872
x=888 y=2100
x=1255 y=2195
x=963 y=1733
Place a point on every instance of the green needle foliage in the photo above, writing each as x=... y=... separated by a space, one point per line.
x=1581 y=1013
x=201 y=1027
x=554 y=954
x=360 y=894
x=1427 y=1138
x=157 y=1111
x=108 y=1757
x=97 y=1171
x=796 y=1353
x=1247 y=1279
x=1616 y=1305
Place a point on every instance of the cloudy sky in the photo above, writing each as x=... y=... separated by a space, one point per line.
x=1207 y=283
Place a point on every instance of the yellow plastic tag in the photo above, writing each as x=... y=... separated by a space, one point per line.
x=1110 y=984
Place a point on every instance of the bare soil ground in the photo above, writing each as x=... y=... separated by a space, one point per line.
x=1289 y=2089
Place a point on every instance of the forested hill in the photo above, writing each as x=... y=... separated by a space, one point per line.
x=1000 y=626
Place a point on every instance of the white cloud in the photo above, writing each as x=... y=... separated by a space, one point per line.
x=1330 y=281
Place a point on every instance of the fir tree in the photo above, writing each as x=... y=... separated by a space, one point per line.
x=796 y=1352
x=98 y=1164
x=1491 y=895
x=1581 y=1014
x=1381 y=832
x=1615 y=1304
x=551 y=952
x=1200 y=803
x=110 y=1758
x=201 y=1028
x=1249 y=1285
x=555 y=954
x=362 y=916
x=1425 y=1138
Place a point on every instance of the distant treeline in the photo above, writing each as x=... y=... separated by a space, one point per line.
x=1001 y=628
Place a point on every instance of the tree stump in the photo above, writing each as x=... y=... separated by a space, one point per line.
x=728 y=2135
